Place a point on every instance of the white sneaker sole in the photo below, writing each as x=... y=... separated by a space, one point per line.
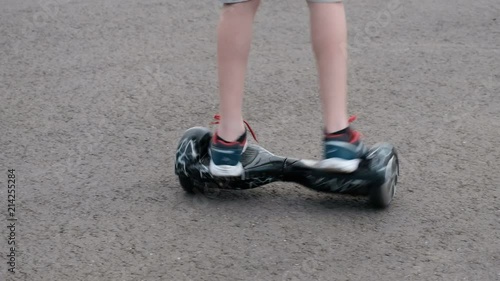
x=339 y=165
x=225 y=170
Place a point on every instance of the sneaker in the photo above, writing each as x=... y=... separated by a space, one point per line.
x=225 y=156
x=343 y=152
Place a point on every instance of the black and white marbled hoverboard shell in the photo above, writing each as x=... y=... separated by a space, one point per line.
x=376 y=176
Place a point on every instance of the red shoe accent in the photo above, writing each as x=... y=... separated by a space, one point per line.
x=354 y=135
x=217 y=118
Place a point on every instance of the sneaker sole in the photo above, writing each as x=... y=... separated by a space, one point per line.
x=339 y=165
x=225 y=170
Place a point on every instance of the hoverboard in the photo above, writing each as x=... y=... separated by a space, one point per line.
x=376 y=176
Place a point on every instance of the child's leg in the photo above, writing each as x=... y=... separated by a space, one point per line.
x=342 y=146
x=329 y=39
x=234 y=38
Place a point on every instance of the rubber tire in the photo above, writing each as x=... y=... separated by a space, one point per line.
x=202 y=137
x=188 y=185
x=378 y=194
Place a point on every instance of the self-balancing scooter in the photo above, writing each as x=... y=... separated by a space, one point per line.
x=376 y=176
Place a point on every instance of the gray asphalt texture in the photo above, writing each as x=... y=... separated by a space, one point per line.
x=94 y=96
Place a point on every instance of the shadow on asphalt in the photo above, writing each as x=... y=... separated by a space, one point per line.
x=288 y=199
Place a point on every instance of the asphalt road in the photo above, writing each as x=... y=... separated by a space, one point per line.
x=94 y=96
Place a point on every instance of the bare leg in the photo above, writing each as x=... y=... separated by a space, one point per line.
x=233 y=48
x=329 y=40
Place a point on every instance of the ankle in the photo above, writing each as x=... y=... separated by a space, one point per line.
x=241 y=139
x=231 y=134
x=333 y=125
x=339 y=132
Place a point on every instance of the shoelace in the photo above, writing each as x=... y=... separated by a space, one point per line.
x=217 y=121
x=355 y=134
